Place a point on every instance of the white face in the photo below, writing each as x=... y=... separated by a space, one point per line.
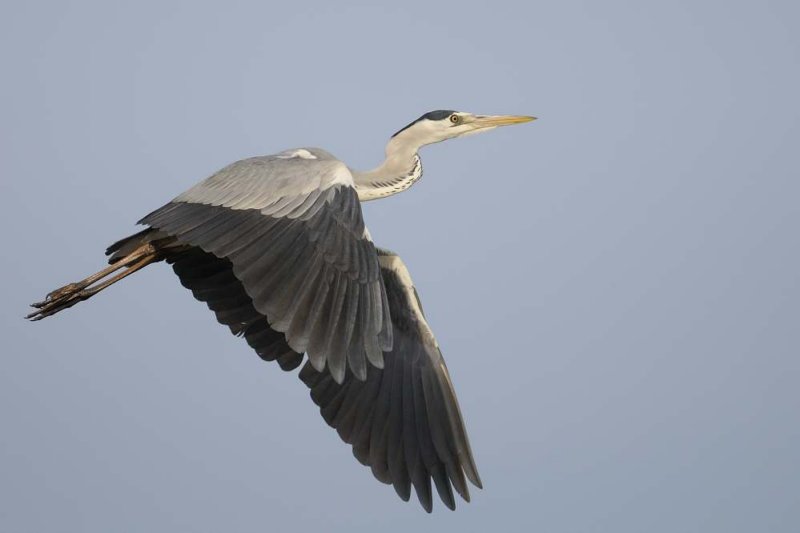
x=456 y=125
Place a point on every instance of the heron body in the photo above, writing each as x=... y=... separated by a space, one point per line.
x=277 y=248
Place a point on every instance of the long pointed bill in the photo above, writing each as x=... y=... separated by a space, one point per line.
x=493 y=121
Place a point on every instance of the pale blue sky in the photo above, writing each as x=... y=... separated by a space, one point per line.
x=615 y=286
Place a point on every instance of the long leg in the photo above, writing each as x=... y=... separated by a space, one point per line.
x=72 y=293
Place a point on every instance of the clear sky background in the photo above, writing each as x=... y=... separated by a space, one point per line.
x=616 y=287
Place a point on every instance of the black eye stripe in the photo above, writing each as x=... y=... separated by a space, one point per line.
x=441 y=114
x=438 y=115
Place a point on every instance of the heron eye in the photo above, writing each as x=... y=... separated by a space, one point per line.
x=455 y=119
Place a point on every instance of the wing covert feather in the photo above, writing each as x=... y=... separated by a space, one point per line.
x=292 y=229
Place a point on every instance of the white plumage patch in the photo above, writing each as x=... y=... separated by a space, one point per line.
x=302 y=153
x=396 y=265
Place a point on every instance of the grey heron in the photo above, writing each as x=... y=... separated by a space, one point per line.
x=277 y=248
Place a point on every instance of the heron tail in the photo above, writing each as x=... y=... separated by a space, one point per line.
x=127 y=255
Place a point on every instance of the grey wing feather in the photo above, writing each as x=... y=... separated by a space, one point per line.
x=212 y=281
x=270 y=183
x=404 y=420
x=291 y=227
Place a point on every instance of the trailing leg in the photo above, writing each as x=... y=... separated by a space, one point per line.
x=72 y=293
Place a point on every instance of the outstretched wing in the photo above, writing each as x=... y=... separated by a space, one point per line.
x=277 y=248
x=291 y=227
x=404 y=420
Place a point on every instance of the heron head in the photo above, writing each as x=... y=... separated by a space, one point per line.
x=441 y=125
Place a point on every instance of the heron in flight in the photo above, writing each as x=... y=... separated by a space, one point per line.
x=277 y=248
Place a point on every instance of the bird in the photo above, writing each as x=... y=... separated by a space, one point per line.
x=276 y=246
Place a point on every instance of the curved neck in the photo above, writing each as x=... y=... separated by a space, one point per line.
x=399 y=171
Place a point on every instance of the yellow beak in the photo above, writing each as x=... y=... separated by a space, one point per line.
x=493 y=121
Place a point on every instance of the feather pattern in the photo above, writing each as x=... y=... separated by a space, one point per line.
x=292 y=229
x=403 y=421
x=212 y=281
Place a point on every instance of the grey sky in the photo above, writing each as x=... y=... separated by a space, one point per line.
x=615 y=286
